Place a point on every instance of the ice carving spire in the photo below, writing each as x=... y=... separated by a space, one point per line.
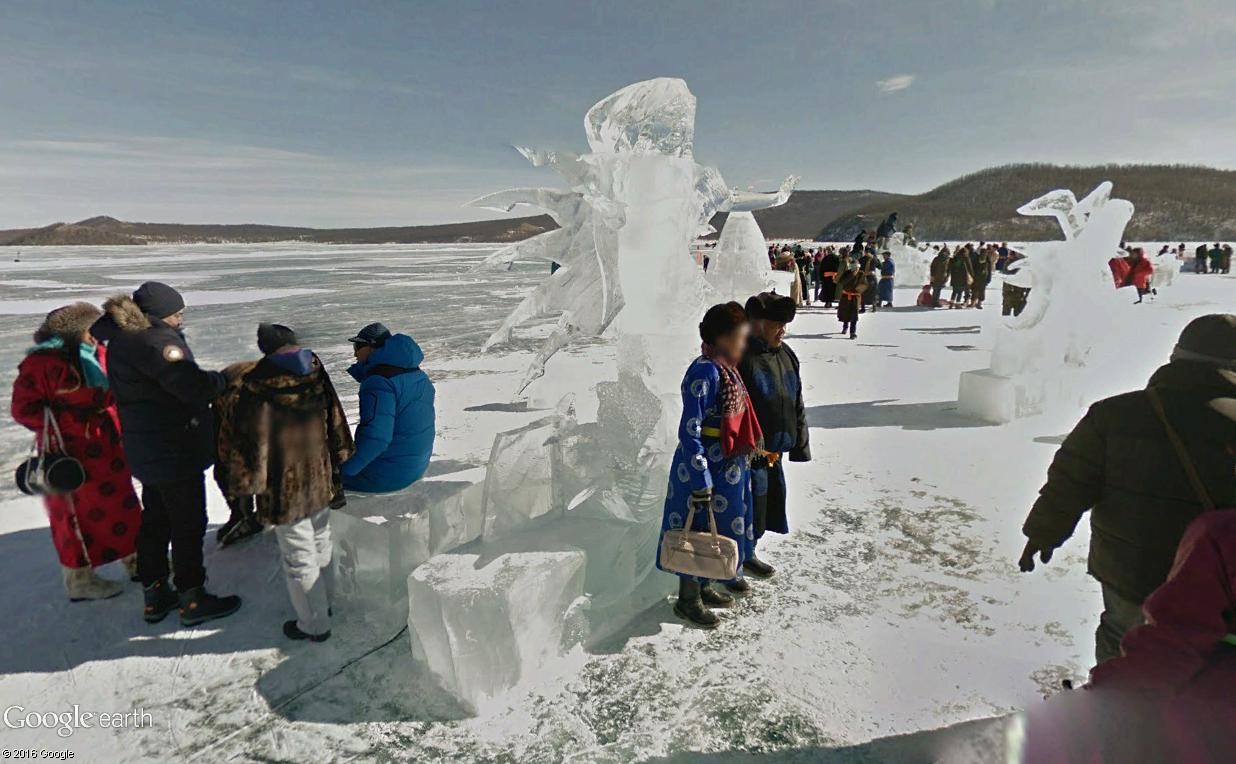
x=641 y=171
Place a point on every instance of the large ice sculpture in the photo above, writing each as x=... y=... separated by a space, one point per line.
x=1044 y=357
x=635 y=199
x=913 y=265
x=592 y=491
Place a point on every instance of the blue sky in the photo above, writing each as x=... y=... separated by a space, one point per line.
x=366 y=113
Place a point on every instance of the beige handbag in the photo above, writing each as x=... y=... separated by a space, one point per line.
x=699 y=553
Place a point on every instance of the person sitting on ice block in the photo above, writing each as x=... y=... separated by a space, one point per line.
x=395 y=436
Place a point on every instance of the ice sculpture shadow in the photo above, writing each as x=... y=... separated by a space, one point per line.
x=977 y=740
x=942 y=415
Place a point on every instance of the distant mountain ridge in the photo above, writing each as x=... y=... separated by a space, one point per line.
x=1172 y=201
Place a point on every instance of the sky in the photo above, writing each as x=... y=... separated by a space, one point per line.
x=398 y=113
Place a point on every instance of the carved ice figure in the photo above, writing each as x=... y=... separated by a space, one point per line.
x=635 y=201
x=1044 y=356
x=738 y=266
x=633 y=205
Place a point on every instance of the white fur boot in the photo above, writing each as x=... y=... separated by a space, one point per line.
x=84 y=584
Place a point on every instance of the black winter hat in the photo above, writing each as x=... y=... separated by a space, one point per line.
x=1209 y=339
x=271 y=337
x=771 y=306
x=158 y=299
x=374 y=335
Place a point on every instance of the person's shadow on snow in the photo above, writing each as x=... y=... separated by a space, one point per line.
x=47 y=633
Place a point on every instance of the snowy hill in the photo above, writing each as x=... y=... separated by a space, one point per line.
x=1173 y=202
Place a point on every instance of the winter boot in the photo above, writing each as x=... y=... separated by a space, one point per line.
x=198 y=606
x=758 y=568
x=690 y=608
x=83 y=584
x=711 y=597
x=292 y=631
x=241 y=525
x=160 y=600
x=130 y=567
x=738 y=586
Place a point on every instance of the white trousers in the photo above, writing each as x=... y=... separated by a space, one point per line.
x=305 y=549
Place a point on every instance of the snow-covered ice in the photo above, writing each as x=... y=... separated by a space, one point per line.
x=897 y=606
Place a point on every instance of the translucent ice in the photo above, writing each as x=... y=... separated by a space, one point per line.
x=1048 y=355
x=563 y=497
x=483 y=625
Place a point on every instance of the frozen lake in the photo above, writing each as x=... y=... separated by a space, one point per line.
x=897 y=605
x=324 y=292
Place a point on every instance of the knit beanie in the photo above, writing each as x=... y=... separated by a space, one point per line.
x=1209 y=339
x=158 y=299
x=271 y=337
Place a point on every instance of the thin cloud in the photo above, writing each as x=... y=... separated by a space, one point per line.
x=895 y=83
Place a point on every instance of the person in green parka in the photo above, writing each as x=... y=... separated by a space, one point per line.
x=961 y=277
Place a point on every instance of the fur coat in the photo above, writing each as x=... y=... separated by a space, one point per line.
x=282 y=435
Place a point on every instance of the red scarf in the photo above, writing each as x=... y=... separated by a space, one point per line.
x=740 y=430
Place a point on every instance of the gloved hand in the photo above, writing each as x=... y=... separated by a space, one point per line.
x=1026 y=563
x=702 y=499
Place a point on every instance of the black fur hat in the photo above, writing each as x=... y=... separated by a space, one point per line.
x=772 y=306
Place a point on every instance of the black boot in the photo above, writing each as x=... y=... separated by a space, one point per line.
x=160 y=600
x=758 y=568
x=738 y=586
x=292 y=631
x=711 y=597
x=198 y=606
x=242 y=524
x=690 y=608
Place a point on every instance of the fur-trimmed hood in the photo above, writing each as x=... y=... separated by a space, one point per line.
x=120 y=314
x=68 y=322
x=127 y=315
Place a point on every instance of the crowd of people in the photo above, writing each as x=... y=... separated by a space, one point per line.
x=116 y=390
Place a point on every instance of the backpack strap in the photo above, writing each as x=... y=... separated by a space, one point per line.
x=1182 y=453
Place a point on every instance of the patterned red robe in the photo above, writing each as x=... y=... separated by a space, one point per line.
x=106 y=507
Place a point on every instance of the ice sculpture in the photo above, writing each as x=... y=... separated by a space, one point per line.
x=738 y=266
x=1042 y=358
x=590 y=492
x=913 y=265
x=636 y=197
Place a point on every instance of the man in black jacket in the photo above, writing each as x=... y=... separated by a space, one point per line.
x=770 y=371
x=164 y=401
x=1119 y=462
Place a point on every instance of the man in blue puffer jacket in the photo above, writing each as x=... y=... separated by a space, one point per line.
x=395 y=436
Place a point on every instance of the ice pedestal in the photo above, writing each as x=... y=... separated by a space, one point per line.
x=483 y=625
x=380 y=538
x=985 y=395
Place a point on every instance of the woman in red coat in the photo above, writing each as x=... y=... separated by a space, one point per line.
x=66 y=372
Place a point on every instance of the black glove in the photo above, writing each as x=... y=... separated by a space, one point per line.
x=702 y=499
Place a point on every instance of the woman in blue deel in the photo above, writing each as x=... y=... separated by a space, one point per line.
x=711 y=468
